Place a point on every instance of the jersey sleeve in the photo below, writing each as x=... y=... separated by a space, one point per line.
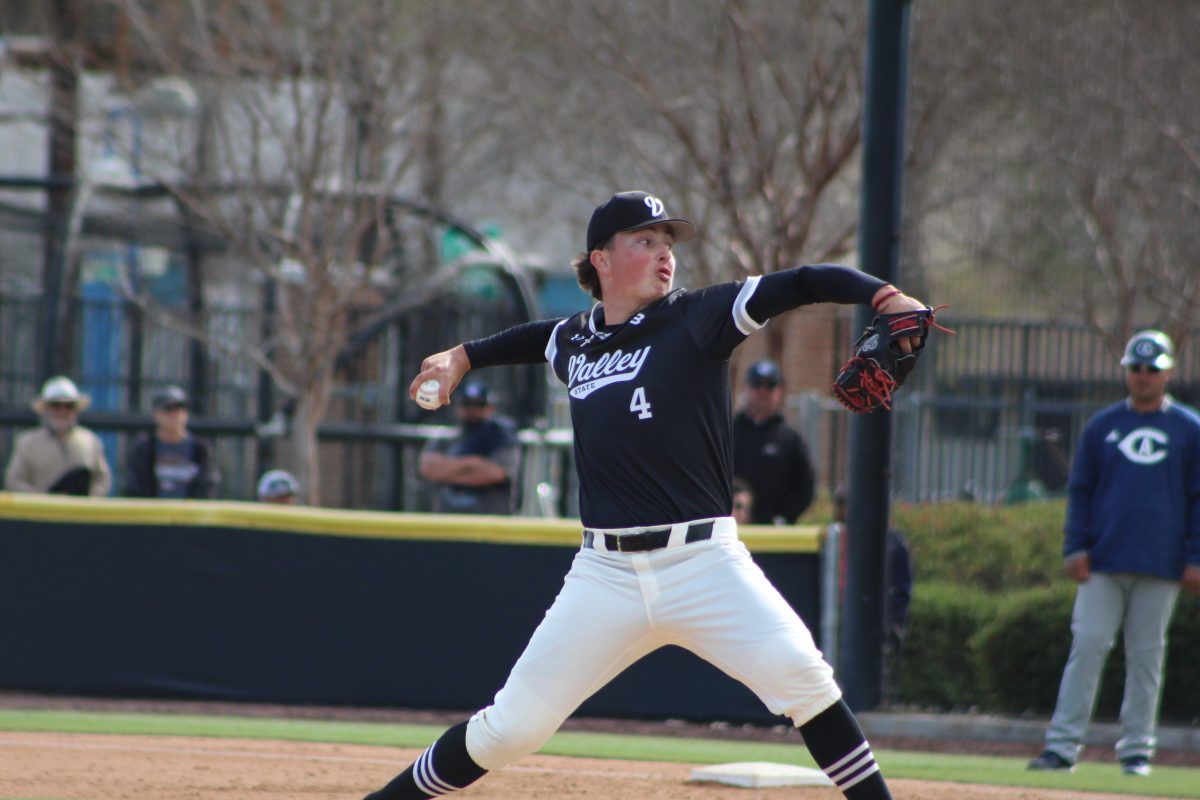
x=1192 y=537
x=1080 y=487
x=520 y=344
x=821 y=283
x=716 y=316
x=721 y=316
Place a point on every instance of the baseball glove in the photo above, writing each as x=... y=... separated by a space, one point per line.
x=878 y=367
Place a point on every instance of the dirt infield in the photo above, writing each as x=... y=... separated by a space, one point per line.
x=107 y=767
x=90 y=767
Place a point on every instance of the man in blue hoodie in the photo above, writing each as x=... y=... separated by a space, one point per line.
x=1132 y=540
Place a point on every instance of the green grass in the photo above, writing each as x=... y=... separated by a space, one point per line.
x=1165 y=782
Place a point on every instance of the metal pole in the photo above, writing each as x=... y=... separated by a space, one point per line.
x=831 y=569
x=860 y=654
x=64 y=114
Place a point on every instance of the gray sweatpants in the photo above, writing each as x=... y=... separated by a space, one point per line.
x=1142 y=607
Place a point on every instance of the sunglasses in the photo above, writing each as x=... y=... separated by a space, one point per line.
x=1149 y=369
x=173 y=407
x=61 y=405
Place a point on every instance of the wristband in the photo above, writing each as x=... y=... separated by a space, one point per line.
x=878 y=304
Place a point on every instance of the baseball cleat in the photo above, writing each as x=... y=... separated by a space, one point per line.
x=1049 y=761
x=1135 y=765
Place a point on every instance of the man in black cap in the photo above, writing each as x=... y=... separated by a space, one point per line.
x=477 y=465
x=170 y=462
x=647 y=373
x=767 y=453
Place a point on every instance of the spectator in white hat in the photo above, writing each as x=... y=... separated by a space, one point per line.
x=60 y=456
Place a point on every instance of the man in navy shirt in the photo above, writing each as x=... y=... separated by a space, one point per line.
x=647 y=372
x=474 y=469
x=768 y=453
x=1132 y=539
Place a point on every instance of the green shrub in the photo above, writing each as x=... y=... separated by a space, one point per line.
x=1181 y=698
x=938 y=669
x=990 y=621
x=985 y=547
x=1021 y=651
x=1020 y=655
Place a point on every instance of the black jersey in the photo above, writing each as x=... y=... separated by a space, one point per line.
x=650 y=406
x=650 y=397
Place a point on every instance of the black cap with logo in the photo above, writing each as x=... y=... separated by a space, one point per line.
x=763 y=373
x=631 y=211
x=474 y=393
x=169 y=396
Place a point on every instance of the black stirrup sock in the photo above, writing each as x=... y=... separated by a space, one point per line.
x=839 y=747
x=443 y=768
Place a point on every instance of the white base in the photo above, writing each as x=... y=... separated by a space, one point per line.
x=757 y=774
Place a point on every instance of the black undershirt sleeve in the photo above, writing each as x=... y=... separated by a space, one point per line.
x=520 y=344
x=821 y=283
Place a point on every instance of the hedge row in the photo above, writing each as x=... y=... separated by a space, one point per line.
x=989 y=626
x=993 y=548
x=1005 y=653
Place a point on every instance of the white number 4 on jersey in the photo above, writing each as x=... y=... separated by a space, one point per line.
x=639 y=404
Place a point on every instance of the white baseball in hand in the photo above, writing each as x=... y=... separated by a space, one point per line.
x=427 y=395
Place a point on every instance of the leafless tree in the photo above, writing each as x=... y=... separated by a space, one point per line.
x=315 y=114
x=746 y=113
x=1055 y=159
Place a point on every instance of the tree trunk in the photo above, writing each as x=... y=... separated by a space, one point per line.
x=308 y=413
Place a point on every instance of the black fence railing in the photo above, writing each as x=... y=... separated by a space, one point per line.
x=372 y=434
x=995 y=412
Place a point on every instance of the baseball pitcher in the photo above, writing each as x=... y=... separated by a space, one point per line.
x=647 y=371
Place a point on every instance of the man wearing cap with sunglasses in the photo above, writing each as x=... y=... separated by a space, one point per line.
x=475 y=468
x=169 y=463
x=61 y=456
x=768 y=453
x=647 y=372
x=1132 y=540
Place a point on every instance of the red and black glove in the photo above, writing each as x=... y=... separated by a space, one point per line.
x=878 y=366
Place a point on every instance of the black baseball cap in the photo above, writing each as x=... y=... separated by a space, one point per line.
x=167 y=396
x=763 y=373
x=631 y=211
x=474 y=393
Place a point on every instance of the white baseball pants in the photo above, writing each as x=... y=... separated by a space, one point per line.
x=708 y=597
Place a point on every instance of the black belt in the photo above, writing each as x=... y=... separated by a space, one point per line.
x=655 y=539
